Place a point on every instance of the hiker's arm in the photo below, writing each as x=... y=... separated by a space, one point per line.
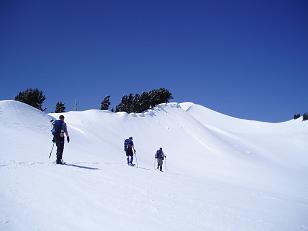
x=65 y=129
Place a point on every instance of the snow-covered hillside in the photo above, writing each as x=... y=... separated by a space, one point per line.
x=222 y=173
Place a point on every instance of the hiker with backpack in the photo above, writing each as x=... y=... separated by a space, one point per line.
x=130 y=150
x=160 y=156
x=58 y=131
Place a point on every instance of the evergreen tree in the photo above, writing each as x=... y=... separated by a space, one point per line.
x=105 y=103
x=126 y=104
x=296 y=116
x=144 y=102
x=136 y=104
x=32 y=97
x=140 y=103
x=122 y=105
x=60 y=107
x=305 y=116
x=165 y=95
x=130 y=103
x=158 y=96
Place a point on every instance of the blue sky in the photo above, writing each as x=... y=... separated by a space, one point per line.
x=248 y=59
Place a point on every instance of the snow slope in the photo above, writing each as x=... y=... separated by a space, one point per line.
x=222 y=173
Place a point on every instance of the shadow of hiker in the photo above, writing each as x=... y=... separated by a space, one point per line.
x=80 y=166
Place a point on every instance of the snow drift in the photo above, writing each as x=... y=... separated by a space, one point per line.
x=222 y=173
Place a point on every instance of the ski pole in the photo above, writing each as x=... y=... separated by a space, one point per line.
x=165 y=164
x=136 y=159
x=51 y=150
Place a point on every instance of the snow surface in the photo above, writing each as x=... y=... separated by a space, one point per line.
x=222 y=173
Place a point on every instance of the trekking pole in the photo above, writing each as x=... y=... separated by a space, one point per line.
x=136 y=159
x=165 y=164
x=51 y=150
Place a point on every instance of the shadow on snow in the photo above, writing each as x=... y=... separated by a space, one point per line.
x=81 y=166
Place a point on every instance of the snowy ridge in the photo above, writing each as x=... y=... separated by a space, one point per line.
x=223 y=173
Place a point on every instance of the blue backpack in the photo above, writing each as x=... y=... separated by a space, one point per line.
x=57 y=127
x=159 y=154
x=128 y=144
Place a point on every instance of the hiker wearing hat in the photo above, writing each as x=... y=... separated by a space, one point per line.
x=130 y=150
x=59 y=129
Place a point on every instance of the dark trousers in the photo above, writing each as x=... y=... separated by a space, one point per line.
x=130 y=158
x=60 y=148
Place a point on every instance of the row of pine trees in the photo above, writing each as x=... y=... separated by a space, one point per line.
x=129 y=103
x=136 y=103
x=305 y=116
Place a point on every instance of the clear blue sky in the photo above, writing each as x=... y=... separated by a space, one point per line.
x=248 y=59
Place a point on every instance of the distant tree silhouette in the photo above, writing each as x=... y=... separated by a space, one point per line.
x=126 y=104
x=60 y=107
x=105 y=103
x=140 y=103
x=296 y=116
x=32 y=97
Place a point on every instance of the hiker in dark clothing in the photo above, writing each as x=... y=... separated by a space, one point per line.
x=160 y=156
x=130 y=150
x=59 y=129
